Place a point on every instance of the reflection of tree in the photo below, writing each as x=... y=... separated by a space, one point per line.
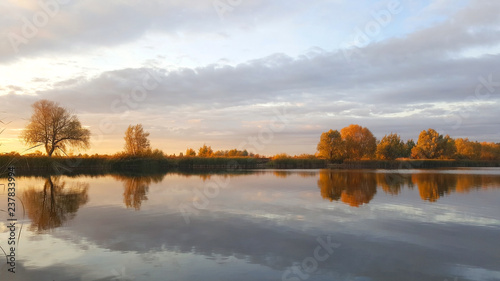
x=434 y=185
x=136 y=188
x=353 y=188
x=55 y=204
x=205 y=177
x=357 y=187
x=465 y=183
x=282 y=174
x=302 y=174
x=392 y=183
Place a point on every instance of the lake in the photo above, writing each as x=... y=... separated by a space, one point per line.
x=295 y=225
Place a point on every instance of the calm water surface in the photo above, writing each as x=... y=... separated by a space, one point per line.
x=262 y=225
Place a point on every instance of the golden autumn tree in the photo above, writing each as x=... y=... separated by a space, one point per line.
x=331 y=146
x=190 y=152
x=391 y=147
x=205 y=151
x=490 y=151
x=432 y=145
x=359 y=142
x=467 y=149
x=136 y=140
x=55 y=128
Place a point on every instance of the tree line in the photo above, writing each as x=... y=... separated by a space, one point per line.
x=355 y=142
x=207 y=151
x=55 y=128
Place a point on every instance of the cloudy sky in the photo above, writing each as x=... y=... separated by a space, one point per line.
x=266 y=76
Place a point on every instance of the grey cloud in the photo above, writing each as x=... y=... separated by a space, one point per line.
x=78 y=25
x=399 y=75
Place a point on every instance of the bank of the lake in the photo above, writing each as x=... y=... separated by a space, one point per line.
x=106 y=164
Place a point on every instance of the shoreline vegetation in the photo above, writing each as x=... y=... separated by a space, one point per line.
x=34 y=165
x=353 y=147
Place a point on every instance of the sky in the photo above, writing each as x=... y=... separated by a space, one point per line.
x=266 y=76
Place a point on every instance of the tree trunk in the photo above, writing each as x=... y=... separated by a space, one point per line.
x=51 y=151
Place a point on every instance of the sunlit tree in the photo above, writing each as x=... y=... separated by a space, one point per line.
x=490 y=151
x=467 y=149
x=448 y=147
x=391 y=147
x=190 y=152
x=205 y=151
x=55 y=128
x=136 y=140
x=331 y=146
x=359 y=142
x=432 y=145
x=409 y=145
x=236 y=153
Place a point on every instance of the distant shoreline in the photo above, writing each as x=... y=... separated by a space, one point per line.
x=102 y=165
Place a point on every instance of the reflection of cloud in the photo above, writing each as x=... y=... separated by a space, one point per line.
x=467 y=219
x=432 y=214
x=275 y=236
x=472 y=273
x=278 y=245
x=3 y=227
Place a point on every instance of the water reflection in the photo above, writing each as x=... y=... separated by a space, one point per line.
x=235 y=238
x=353 y=188
x=303 y=174
x=54 y=204
x=136 y=188
x=433 y=186
x=359 y=187
x=393 y=183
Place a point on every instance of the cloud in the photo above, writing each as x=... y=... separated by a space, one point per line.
x=404 y=84
x=65 y=26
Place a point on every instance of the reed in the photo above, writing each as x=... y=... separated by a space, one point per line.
x=297 y=163
x=412 y=164
x=42 y=165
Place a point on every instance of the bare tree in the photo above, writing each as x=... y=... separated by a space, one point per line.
x=54 y=127
x=136 y=140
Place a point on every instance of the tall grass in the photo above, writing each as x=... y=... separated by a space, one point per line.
x=412 y=164
x=296 y=163
x=123 y=164
x=42 y=165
